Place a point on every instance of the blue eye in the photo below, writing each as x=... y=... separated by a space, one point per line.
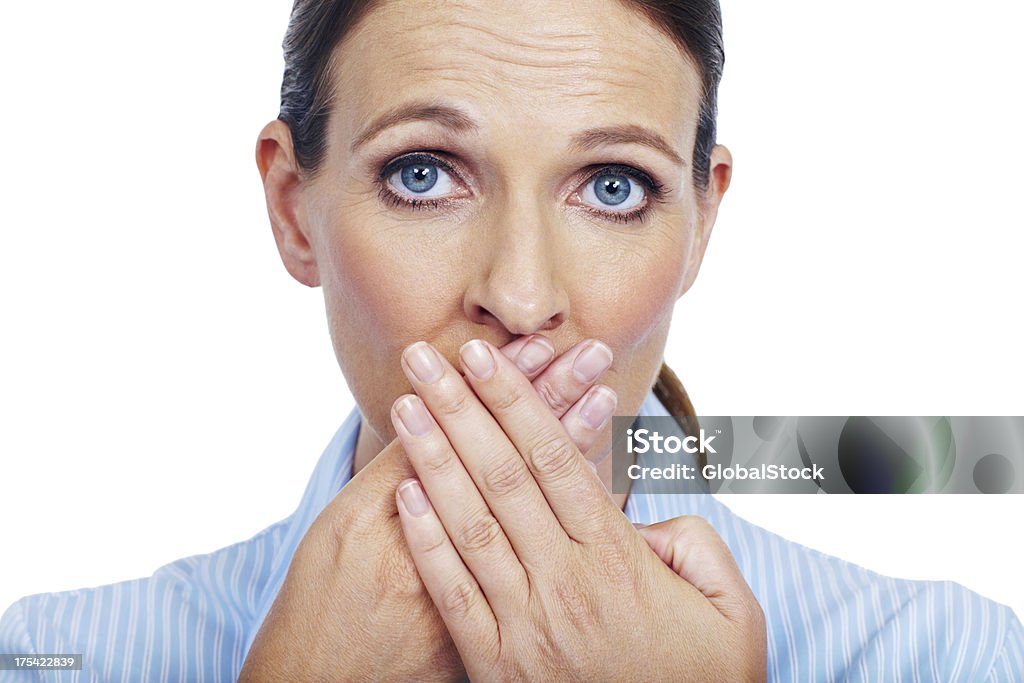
x=613 y=190
x=421 y=179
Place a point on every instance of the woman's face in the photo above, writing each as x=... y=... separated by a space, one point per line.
x=495 y=172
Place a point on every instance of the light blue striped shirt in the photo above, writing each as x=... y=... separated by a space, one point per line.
x=828 y=620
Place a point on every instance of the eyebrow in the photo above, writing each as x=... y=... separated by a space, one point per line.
x=624 y=135
x=449 y=117
x=459 y=121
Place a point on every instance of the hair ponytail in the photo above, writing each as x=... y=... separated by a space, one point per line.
x=671 y=393
x=673 y=396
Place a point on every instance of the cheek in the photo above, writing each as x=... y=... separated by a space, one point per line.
x=380 y=299
x=372 y=292
x=628 y=303
x=631 y=292
x=648 y=306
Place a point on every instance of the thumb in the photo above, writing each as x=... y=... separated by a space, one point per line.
x=692 y=548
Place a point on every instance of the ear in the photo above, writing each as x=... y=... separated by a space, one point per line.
x=718 y=182
x=282 y=184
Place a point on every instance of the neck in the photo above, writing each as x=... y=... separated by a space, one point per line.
x=368 y=445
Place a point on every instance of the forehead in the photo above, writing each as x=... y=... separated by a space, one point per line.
x=546 y=67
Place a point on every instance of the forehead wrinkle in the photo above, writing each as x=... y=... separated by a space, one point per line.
x=553 y=48
x=601 y=104
x=463 y=55
x=579 y=78
x=603 y=74
x=537 y=30
x=523 y=40
x=525 y=35
x=527 y=43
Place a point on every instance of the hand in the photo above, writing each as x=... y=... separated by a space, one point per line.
x=536 y=573
x=352 y=601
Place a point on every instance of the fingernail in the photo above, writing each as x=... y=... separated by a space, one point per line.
x=592 y=361
x=598 y=407
x=413 y=498
x=413 y=415
x=423 y=361
x=478 y=359
x=534 y=355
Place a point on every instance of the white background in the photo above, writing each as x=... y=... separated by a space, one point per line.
x=166 y=388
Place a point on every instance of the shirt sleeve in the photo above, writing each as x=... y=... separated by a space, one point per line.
x=15 y=639
x=1008 y=666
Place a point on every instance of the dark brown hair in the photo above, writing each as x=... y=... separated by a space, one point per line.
x=317 y=26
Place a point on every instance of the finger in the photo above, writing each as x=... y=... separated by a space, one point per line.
x=566 y=385
x=577 y=498
x=531 y=353
x=570 y=376
x=391 y=466
x=452 y=587
x=496 y=467
x=588 y=417
x=467 y=520
x=695 y=551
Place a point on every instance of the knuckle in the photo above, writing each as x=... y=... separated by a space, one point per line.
x=453 y=405
x=508 y=399
x=458 y=599
x=697 y=524
x=339 y=536
x=618 y=565
x=553 y=457
x=340 y=521
x=506 y=478
x=748 y=613
x=438 y=461
x=431 y=543
x=692 y=528
x=554 y=399
x=479 y=534
x=574 y=603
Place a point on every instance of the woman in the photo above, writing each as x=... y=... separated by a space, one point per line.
x=506 y=206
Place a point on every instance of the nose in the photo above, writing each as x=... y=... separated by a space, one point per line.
x=519 y=283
